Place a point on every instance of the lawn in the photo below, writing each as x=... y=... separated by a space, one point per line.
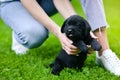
x=35 y=64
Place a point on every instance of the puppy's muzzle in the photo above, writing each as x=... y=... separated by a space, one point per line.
x=70 y=32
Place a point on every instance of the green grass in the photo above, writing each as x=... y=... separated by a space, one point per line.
x=35 y=64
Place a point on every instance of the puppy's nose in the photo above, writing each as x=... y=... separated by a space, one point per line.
x=70 y=31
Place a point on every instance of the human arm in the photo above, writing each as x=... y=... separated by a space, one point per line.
x=65 y=8
x=38 y=13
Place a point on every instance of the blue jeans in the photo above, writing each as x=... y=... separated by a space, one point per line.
x=29 y=32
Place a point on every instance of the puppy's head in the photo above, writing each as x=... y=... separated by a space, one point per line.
x=75 y=27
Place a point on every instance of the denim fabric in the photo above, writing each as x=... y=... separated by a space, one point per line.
x=94 y=12
x=27 y=30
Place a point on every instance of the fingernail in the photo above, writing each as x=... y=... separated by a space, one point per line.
x=71 y=42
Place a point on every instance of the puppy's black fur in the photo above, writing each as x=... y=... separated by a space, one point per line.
x=77 y=29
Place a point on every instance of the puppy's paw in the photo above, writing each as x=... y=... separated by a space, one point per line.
x=55 y=73
x=84 y=49
x=95 y=45
x=56 y=69
x=82 y=46
x=51 y=65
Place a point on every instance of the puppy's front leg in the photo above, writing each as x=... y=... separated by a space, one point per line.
x=95 y=45
x=81 y=45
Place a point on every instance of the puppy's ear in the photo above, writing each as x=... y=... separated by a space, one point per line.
x=87 y=28
x=63 y=26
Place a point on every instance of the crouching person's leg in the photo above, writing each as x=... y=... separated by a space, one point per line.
x=29 y=38
x=27 y=32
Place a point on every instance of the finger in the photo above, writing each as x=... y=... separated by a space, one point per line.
x=75 y=52
x=92 y=35
x=70 y=41
x=90 y=50
x=70 y=48
x=71 y=51
x=69 y=45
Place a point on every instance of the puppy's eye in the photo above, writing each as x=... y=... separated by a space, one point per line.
x=80 y=24
x=77 y=24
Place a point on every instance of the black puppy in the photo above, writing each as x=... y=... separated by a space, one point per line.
x=77 y=29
